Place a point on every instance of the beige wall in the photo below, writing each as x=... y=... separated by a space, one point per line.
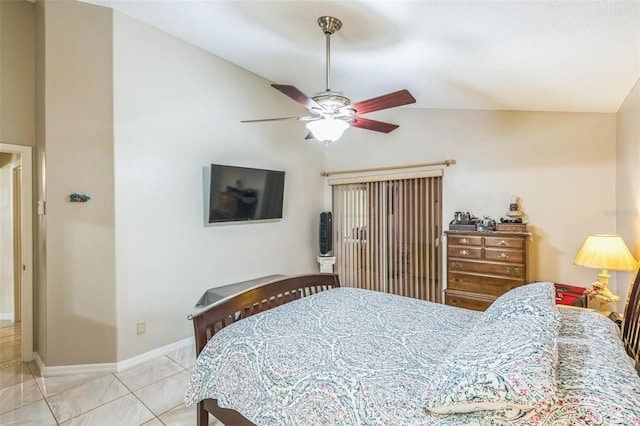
x=177 y=110
x=78 y=142
x=17 y=91
x=628 y=180
x=561 y=165
x=17 y=115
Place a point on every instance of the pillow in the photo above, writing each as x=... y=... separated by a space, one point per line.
x=502 y=365
x=536 y=299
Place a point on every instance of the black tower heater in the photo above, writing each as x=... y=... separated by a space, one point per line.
x=325 y=234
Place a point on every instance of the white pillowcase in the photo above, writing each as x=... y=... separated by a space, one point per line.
x=536 y=299
x=508 y=363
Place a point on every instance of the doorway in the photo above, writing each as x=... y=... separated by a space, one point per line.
x=16 y=242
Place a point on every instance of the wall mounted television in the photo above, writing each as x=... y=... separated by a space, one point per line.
x=244 y=194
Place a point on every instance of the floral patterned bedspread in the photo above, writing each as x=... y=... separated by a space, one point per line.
x=356 y=357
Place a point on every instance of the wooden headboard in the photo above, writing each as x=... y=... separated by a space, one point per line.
x=631 y=322
x=227 y=311
x=266 y=296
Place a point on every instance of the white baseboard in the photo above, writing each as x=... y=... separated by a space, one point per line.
x=38 y=360
x=6 y=317
x=113 y=367
x=148 y=356
x=65 y=370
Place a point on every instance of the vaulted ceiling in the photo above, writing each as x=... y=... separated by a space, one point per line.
x=581 y=56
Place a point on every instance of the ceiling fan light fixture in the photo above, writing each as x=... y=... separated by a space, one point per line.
x=327 y=129
x=332 y=112
x=331 y=102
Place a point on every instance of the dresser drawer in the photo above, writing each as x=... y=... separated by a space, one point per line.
x=511 y=271
x=504 y=255
x=480 y=284
x=465 y=252
x=464 y=240
x=482 y=266
x=467 y=301
x=504 y=242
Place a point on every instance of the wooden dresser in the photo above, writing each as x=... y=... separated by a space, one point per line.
x=483 y=265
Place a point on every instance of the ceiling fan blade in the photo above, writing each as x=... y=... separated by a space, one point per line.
x=390 y=100
x=307 y=118
x=376 y=126
x=297 y=95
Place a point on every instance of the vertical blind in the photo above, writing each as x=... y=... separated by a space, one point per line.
x=386 y=235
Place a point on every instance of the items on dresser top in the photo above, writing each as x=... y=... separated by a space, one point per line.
x=511 y=227
x=482 y=266
x=514 y=215
x=463 y=221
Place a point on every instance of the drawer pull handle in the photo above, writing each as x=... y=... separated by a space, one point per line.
x=464 y=241
x=464 y=252
x=454 y=301
x=503 y=243
x=457 y=280
x=503 y=255
x=456 y=265
x=511 y=270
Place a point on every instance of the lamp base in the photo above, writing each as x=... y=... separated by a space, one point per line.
x=603 y=307
x=601 y=294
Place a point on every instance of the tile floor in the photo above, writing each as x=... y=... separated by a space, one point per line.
x=150 y=394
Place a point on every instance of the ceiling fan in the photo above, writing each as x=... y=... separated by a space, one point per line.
x=331 y=113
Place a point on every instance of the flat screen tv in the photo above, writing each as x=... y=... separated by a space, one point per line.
x=242 y=193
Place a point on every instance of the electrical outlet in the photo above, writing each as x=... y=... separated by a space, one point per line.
x=141 y=327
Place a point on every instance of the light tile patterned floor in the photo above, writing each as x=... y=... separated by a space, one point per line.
x=150 y=394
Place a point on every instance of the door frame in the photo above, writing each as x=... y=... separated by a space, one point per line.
x=16 y=203
x=26 y=225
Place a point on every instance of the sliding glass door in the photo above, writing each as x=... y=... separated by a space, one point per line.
x=387 y=234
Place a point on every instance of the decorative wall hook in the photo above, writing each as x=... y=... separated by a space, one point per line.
x=78 y=198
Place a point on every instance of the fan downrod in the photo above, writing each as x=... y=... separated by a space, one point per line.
x=329 y=24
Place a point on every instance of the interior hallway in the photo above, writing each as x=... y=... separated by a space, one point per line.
x=10 y=343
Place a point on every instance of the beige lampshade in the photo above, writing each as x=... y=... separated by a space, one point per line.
x=605 y=252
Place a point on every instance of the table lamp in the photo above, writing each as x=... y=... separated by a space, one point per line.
x=606 y=252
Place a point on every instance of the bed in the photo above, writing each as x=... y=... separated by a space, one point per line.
x=304 y=351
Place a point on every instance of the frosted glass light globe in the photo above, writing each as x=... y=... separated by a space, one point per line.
x=327 y=129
